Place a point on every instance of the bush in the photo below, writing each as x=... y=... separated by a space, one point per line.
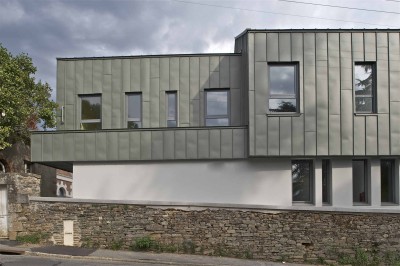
x=143 y=243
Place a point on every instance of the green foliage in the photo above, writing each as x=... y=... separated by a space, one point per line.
x=143 y=243
x=34 y=238
x=116 y=244
x=24 y=101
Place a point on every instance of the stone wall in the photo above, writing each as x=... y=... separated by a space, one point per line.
x=272 y=235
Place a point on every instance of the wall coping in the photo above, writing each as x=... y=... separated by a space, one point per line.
x=394 y=209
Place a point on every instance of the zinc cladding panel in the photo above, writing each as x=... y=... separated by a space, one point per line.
x=157 y=152
x=371 y=141
x=394 y=64
x=180 y=144
x=285 y=136
x=226 y=143
x=135 y=75
x=145 y=145
x=112 y=146
x=298 y=135
x=123 y=146
x=79 y=66
x=101 y=146
x=184 y=101
x=224 y=72
x=36 y=148
x=284 y=47
x=239 y=143
x=322 y=108
x=90 y=146
x=134 y=145
x=155 y=96
x=385 y=141
x=191 y=144
x=215 y=144
x=97 y=76
x=194 y=91
x=70 y=82
x=359 y=135
x=60 y=94
x=69 y=147
x=203 y=144
x=273 y=135
x=57 y=149
x=394 y=130
x=169 y=145
x=126 y=75
x=88 y=76
x=382 y=73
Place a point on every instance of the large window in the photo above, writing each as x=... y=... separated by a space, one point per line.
x=134 y=110
x=364 y=87
x=326 y=181
x=388 y=181
x=283 y=88
x=90 y=112
x=302 y=181
x=171 y=109
x=217 y=107
x=360 y=181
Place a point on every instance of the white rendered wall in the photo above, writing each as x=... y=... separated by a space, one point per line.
x=342 y=182
x=256 y=181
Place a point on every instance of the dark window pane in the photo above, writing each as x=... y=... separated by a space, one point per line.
x=301 y=180
x=363 y=79
x=359 y=181
x=217 y=102
x=134 y=124
x=134 y=106
x=326 y=181
x=171 y=112
x=282 y=105
x=387 y=181
x=282 y=80
x=364 y=104
x=171 y=123
x=91 y=126
x=216 y=122
x=91 y=107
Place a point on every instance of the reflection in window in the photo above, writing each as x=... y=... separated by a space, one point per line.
x=90 y=112
x=387 y=181
x=302 y=180
x=283 y=87
x=134 y=115
x=217 y=108
x=326 y=181
x=171 y=109
x=360 y=181
x=364 y=88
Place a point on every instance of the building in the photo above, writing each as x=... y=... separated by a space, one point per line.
x=291 y=117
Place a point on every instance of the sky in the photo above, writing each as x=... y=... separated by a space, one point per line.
x=47 y=29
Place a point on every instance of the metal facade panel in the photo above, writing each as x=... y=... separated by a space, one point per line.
x=371 y=135
x=226 y=143
x=224 y=72
x=90 y=146
x=394 y=130
x=106 y=102
x=97 y=86
x=117 y=112
x=346 y=64
x=261 y=87
x=298 y=135
x=285 y=47
x=359 y=135
x=385 y=139
x=214 y=79
x=68 y=147
x=310 y=142
x=157 y=146
x=126 y=75
x=309 y=98
x=134 y=145
x=334 y=135
x=261 y=134
x=154 y=67
x=60 y=93
x=273 y=135
x=180 y=144
x=260 y=47
x=251 y=61
x=155 y=96
x=145 y=79
x=357 y=44
x=169 y=144
x=145 y=145
x=321 y=46
x=174 y=73
x=101 y=146
x=123 y=146
x=164 y=74
x=70 y=117
x=145 y=114
x=191 y=144
x=382 y=80
x=322 y=108
x=215 y=144
x=252 y=140
x=285 y=136
x=239 y=143
x=297 y=46
x=334 y=73
x=235 y=73
x=112 y=146
x=204 y=73
x=88 y=76
x=184 y=87
x=79 y=77
x=47 y=144
x=70 y=82
x=370 y=46
x=194 y=113
x=347 y=122
x=236 y=107
x=36 y=148
x=194 y=79
x=79 y=146
x=203 y=144
x=135 y=75
x=272 y=47
x=107 y=67
x=394 y=64
x=214 y=63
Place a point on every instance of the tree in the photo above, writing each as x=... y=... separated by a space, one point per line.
x=24 y=103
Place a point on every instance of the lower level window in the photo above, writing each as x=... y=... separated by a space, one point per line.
x=326 y=181
x=302 y=180
x=388 y=181
x=360 y=181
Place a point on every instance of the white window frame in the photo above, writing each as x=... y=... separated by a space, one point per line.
x=228 y=115
x=135 y=119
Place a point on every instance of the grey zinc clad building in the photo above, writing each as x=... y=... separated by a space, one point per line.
x=291 y=117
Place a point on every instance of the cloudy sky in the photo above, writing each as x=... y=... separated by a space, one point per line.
x=47 y=29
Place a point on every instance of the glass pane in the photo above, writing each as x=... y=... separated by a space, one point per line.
x=326 y=181
x=363 y=82
x=134 y=124
x=387 y=180
x=282 y=105
x=171 y=112
x=359 y=182
x=91 y=126
x=217 y=102
x=301 y=178
x=217 y=122
x=91 y=107
x=282 y=80
x=171 y=123
x=134 y=106
x=364 y=104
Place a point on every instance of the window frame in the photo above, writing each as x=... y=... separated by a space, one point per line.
x=228 y=115
x=167 y=93
x=311 y=181
x=90 y=121
x=328 y=171
x=295 y=96
x=394 y=180
x=127 y=119
x=367 y=173
x=373 y=91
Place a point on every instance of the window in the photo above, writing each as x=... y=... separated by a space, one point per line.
x=302 y=181
x=360 y=181
x=171 y=109
x=326 y=181
x=364 y=88
x=90 y=112
x=134 y=114
x=217 y=107
x=283 y=88
x=388 y=181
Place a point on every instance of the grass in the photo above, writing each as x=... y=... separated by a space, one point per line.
x=34 y=238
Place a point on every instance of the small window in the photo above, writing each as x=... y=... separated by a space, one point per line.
x=90 y=112
x=217 y=108
x=360 y=181
x=134 y=113
x=302 y=181
x=364 y=88
x=326 y=181
x=171 y=109
x=283 y=88
x=388 y=181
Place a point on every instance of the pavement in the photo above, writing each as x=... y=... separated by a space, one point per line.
x=13 y=247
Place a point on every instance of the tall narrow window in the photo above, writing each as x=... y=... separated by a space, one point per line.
x=171 y=109
x=365 y=88
x=326 y=181
x=387 y=181
x=283 y=88
x=134 y=112
x=360 y=181
x=217 y=107
x=302 y=181
x=90 y=112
